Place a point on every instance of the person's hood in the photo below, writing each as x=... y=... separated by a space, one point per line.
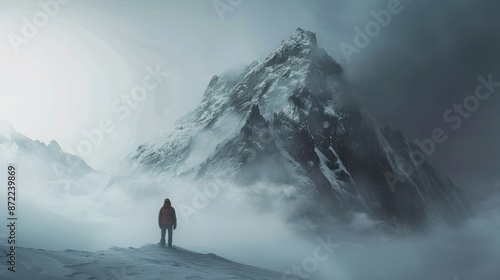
x=167 y=203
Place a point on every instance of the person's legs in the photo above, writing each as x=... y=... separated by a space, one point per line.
x=169 y=227
x=163 y=231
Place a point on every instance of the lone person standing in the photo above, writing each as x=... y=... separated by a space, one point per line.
x=167 y=221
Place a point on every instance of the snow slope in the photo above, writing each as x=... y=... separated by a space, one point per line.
x=148 y=262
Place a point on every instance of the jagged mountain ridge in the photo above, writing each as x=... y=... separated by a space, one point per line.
x=290 y=120
x=45 y=165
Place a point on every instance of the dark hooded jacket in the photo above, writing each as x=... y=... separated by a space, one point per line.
x=167 y=214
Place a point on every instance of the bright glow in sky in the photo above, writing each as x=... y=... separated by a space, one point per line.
x=67 y=79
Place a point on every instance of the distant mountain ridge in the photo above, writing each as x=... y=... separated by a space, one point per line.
x=48 y=164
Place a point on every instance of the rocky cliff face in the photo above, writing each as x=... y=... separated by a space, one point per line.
x=289 y=120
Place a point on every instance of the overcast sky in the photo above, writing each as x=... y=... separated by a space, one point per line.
x=64 y=74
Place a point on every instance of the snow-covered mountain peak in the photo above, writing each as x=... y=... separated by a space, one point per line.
x=299 y=44
x=300 y=37
x=301 y=48
x=54 y=146
x=295 y=70
x=290 y=121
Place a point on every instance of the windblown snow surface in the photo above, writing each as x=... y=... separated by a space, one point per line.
x=145 y=263
x=469 y=252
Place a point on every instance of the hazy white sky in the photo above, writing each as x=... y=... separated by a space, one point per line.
x=67 y=78
x=65 y=67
